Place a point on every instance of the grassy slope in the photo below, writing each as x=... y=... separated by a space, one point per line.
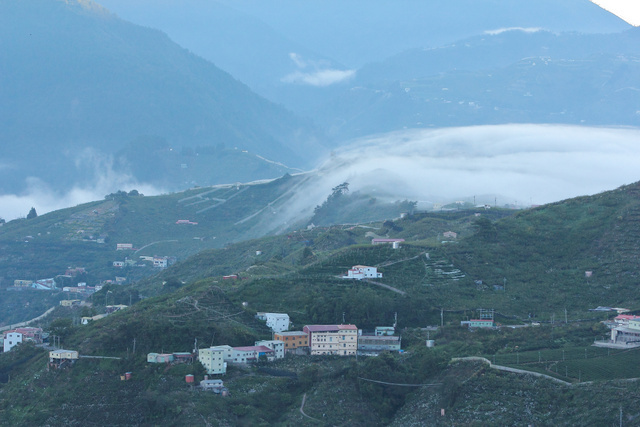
x=600 y=234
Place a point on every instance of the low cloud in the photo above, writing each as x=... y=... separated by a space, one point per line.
x=44 y=199
x=507 y=164
x=504 y=30
x=315 y=73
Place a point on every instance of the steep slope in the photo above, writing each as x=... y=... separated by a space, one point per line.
x=75 y=76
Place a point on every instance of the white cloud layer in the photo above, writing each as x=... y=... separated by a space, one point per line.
x=40 y=195
x=515 y=164
x=504 y=30
x=315 y=73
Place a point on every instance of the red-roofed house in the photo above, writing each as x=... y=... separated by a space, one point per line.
x=341 y=340
x=251 y=354
x=623 y=319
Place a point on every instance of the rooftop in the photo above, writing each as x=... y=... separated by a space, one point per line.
x=260 y=348
x=330 y=328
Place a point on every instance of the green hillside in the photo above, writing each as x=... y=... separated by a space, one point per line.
x=430 y=280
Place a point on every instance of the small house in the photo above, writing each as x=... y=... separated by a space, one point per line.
x=212 y=385
x=360 y=272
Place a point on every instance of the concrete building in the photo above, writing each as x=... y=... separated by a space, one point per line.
x=251 y=354
x=294 y=341
x=214 y=358
x=16 y=336
x=159 y=358
x=276 y=345
x=360 y=272
x=478 y=323
x=59 y=355
x=212 y=385
x=339 y=340
x=11 y=339
x=371 y=345
x=278 y=322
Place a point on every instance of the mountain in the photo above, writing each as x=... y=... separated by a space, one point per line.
x=529 y=267
x=304 y=54
x=76 y=77
x=514 y=76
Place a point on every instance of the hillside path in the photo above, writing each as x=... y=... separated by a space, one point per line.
x=304 y=399
x=20 y=324
x=382 y=285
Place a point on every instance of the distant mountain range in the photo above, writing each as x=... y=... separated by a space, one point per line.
x=374 y=66
x=74 y=76
x=516 y=76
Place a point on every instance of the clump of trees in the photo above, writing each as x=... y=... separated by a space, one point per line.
x=32 y=213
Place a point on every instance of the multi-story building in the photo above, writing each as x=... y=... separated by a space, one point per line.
x=14 y=337
x=339 y=340
x=293 y=340
x=276 y=345
x=214 y=358
x=11 y=339
x=278 y=322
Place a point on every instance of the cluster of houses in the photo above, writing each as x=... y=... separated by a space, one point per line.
x=41 y=284
x=108 y=310
x=340 y=340
x=13 y=337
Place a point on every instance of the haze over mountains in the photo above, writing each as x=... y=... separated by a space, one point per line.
x=77 y=78
x=112 y=105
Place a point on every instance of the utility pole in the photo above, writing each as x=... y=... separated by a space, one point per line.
x=134 y=346
x=343 y=317
x=565 y=315
x=441 y=317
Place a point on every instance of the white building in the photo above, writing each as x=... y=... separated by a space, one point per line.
x=278 y=322
x=214 y=358
x=160 y=262
x=360 y=272
x=11 y=339
x=275 y=345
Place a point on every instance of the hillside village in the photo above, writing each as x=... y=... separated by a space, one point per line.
x=338 y=300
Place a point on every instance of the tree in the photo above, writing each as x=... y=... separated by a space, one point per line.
x=32 y=213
